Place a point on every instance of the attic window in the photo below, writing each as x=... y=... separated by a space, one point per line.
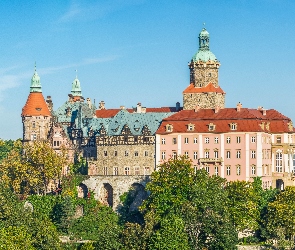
x=233 y=126
x=190 y=127
x=211 y=126
x=38 y=109
x=169 y=128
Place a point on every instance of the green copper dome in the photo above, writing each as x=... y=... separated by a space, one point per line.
x=204 y=54
x=76 y=88
x=35 y=83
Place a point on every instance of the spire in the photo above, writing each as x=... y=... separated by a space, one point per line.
x=204 y=39
x=76 y=88
x=204 y=54
x=35 y=82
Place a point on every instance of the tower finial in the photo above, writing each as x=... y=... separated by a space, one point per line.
x=76 y=73
x=204 y=24
x=35 y=67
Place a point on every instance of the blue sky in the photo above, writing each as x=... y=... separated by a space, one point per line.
x=134 y=51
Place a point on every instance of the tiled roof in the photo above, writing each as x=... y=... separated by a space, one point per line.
x=107 y=113
x=208 y=88
x=247 y=120
x=136 y=122
x=35 y=105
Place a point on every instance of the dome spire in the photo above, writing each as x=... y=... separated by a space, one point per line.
x=35 y=82
x=76 y=87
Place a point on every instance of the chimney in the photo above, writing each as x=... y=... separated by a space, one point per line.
x=101 y=105
x=177 y=106
x=49 y=103
x=89 y=103
x=138 y=108
x=197 y=108
x=70 y=98
x=260 y=108
x=264 y=111
x=239 y=106
x=122 y=107
x=216 y=110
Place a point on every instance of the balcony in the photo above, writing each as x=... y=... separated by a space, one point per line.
x=210 y=160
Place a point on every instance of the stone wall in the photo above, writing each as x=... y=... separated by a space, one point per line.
x=36 y=127
x=139 y=158
x=114 y=186
x=204 y=100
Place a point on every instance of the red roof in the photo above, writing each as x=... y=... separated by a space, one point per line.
x=35 y=106
x=247 y=120
x=208 y=88
x=106 y=113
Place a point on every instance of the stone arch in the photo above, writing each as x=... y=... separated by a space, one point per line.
x=106 y=194
x=82 y=190
x=139 y=195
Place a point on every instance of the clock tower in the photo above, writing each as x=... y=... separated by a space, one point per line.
x=204 y=90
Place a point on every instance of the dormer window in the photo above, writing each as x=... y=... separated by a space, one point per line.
x=190 y=127
x=233 y=126
x=169 y=128
x=211 y=126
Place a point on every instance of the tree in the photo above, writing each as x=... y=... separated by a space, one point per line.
x=280 y=219
x=243 y=205
x=198 y=199
x=32 y=170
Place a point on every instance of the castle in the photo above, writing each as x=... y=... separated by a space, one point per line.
x=123 y=146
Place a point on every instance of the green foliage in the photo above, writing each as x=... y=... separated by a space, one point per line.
x=243 y=205
x=170 y=234
x=99 y=225
x=7 y=145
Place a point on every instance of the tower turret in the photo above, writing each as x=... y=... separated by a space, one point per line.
x=204 y=90
x=36 y=116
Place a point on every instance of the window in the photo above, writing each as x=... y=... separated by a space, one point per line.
x=33 y=137
x=206 y=139
x=238 y=139
x=163 y=141
x=105 y=170
x=136 y=170
x=195 y=169
x=227 y=154
x=126 y=153
x=195 y=140
x=174 y=155
x=253 y=169
x=228 y=139
x=115 y=153
x=127 y=171
x=163 y=155
x=216 y=170
x=216 y=154
x=185 y=140
x=105 y=153
x=253 y=154
x=33 y=125
x=190 y=127
x=216 y=140
x=233 y=126
x=253 y=139
x=136 y=153
x=146 y=153
x=174 y=141
x=207 y=168
x=186 y=154
x=227 y=170
x=169 y=128
x=146 y=170
x=54 y=143
x=195 y=155
x=211 y=127
x=207 y=154
x=238 y=170
x=279 y=139
x=116 y=172
x=279 y=162
x=238 y=154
